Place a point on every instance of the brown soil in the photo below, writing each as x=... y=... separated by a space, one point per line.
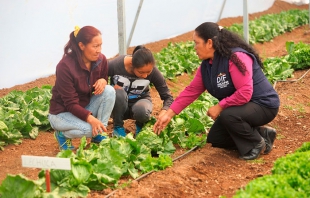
x=207 y=171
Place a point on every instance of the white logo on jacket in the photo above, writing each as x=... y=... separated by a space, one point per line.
x=221 y=80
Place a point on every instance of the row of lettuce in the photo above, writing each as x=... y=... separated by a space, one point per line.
x=181 y=57
x=102 y=165
x=24 y=114
x=269 y=26
x=275 y=68
x=290 y=178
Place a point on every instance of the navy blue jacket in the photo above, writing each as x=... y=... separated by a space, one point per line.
x=263 y=92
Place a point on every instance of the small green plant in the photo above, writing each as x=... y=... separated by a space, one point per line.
x=280 y=136
x=288 y=107
x=301 y=108
x=276 y=127
x=174 y=90
x=257 y=161
x=290 y=97
x=125 y=184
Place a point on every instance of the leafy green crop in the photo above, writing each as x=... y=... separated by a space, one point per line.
x=290 y=178
x=177 y=59
x=285 y=186
x=281 y=68
x=23 y=115
x=277 y=68
x=269 y=26
x=297 y=163
x=304 y=147
x=298 y=55
x=103 y=165
x=11 y=187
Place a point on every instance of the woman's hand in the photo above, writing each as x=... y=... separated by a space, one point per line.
x=214 y=111
x=96 y=125
x=117 y=87
x=162 y=121
x=99 y=86
x=161 y=113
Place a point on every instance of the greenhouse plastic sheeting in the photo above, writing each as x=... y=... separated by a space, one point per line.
x=34 y=32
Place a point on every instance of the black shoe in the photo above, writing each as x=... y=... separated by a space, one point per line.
x=254 y=153
x=269 y=134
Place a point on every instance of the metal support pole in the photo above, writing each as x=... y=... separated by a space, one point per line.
x=245 y=21
x=222 y=8
x=134 y=23
x=121 y=27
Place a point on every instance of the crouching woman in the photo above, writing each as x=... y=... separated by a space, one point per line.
x=81 y=102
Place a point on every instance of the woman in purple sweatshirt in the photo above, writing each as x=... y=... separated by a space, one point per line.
x=82 y=101
x=231 y=71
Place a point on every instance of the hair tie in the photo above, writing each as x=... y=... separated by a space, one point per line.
x=76 y=30
x=220 y=28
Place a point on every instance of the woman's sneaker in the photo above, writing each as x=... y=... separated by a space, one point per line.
x=63 y=142
x=98 y=138
x=119 y=131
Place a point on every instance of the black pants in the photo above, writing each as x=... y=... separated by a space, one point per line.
x=237 y=127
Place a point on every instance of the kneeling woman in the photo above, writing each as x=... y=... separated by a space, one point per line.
x=131 y=77
x=82 y=101
x=231 y=71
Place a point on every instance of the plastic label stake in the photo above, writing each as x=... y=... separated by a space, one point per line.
x=47 y=163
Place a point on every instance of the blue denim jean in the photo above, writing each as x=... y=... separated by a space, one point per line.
x=101 y=107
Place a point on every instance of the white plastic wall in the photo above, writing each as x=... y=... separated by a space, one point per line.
x=34 y=32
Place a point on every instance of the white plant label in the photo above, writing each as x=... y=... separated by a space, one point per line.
x=46 y=162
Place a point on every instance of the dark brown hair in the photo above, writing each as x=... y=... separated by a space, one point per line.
x=85 y=35
x=142 y=56
x=223 y=42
